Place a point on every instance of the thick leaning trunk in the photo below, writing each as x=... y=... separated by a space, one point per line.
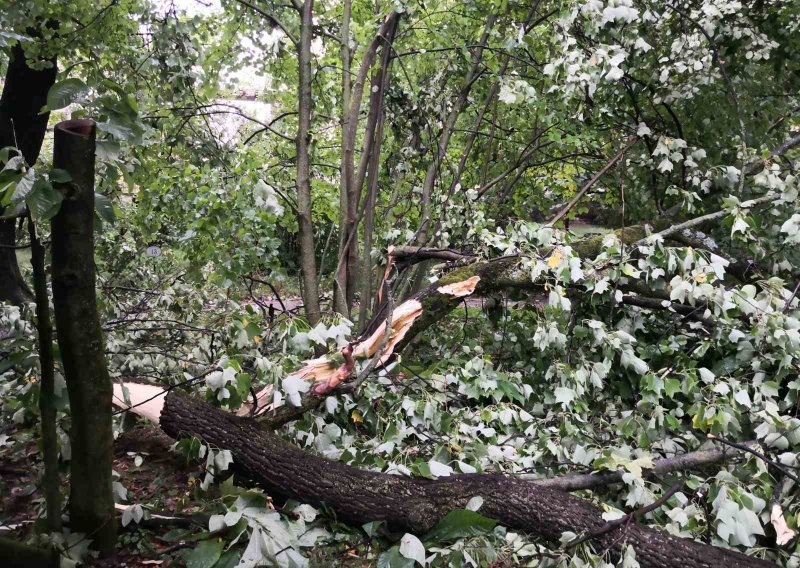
x=21 y=126
x=415 y=505
x=80 y=338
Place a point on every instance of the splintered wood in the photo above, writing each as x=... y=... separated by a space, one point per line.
x=145 y=400
x=326 y=372
x=460 y=289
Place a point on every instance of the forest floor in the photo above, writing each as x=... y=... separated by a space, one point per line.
x=151 y=474
x=160 y=480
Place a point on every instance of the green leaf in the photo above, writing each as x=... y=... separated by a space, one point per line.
x=459 y=524
x=205 y=554
x=64 y=93
x=119 y=131
x=393 y=559
x=672 y=386
x=24 y=187
x=44 y=201
x=252 y=330
x=243 y=383
x=229 y=560
x=372 y=528
x=107 y=149
x=104 y=208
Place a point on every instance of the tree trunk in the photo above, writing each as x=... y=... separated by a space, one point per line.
x=346 y=266
x=13 y=288
x=47 y=403
x=21 y=126
x=80 y=338
x=308 y=265
x=380 y=83
x=340 y=275
x=415 y=505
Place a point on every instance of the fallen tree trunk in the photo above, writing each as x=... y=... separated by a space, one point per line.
x=415 y=505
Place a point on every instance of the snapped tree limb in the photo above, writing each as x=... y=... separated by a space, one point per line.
x=416 y=505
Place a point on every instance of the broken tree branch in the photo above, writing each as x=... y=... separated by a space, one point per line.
x=416 y=505
x=682 y=462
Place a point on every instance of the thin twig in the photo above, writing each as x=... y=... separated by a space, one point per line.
x=610 y=164
x=765 y=459
x=627 y=519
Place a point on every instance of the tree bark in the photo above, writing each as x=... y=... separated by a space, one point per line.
x=13 y=288
x=345 y=279
x=380 y=83
x=21 y=126
x=80 y=338
x=47 y=403
x=340 y=277
x=308 y=266
x=415 y=505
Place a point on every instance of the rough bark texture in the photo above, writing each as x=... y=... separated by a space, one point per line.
x=21 y=125
x=80 y=338
x=47 y=403
x=415 y=505
x=308 y=266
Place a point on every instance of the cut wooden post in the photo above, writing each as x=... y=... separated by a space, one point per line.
x=80 y=338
